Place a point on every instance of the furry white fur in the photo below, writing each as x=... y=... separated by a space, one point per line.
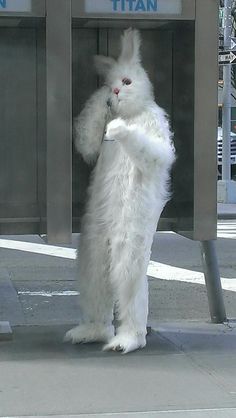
x=127 y=134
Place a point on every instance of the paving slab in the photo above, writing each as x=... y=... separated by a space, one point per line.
x=188 y=368
x=200 y=337
x=41 y=376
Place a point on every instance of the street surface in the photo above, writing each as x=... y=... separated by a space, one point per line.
x=41 y=278
x=187 y=369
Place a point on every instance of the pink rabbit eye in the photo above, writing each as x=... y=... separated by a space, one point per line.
x=126 y=81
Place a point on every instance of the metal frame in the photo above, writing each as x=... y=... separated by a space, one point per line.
x=201 y=225
x=188 y=13
x=205 y=120
x=41 y=127
x=59 y=121
x=38 y=9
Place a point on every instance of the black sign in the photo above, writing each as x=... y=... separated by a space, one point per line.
x=227 y=57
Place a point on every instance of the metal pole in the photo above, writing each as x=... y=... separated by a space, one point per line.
x=213 y=283
x=226 y=102
x=59 y=121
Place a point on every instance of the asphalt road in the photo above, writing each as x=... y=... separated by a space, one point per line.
x=39 y=280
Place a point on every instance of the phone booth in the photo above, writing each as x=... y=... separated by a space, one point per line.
x=46 y=50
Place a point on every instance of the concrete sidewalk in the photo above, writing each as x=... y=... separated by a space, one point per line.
x=187 y=370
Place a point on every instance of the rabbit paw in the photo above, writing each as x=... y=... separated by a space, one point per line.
x=125 y=343
x=87 y=333
x=116 y=129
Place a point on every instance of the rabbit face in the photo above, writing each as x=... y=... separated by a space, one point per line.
x=130 y=88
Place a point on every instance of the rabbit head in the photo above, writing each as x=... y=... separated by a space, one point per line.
x=130 y=87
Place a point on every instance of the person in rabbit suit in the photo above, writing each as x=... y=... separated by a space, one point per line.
x=127 y=134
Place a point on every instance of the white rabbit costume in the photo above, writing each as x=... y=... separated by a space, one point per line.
x=127 y=134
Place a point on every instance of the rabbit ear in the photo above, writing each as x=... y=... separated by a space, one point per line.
x=103 y=64
x=130 y=46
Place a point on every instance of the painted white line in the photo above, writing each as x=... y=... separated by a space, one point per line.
x=204 y=412
x=226 y=227
x=155 y=269
x=165 y=272
x=226 y=230
x=226 y=235
x=231 y=224
x=43 y=249
x=222 y=232
x=48 y=294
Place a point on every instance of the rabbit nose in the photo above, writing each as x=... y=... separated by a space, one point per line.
x=116 y=91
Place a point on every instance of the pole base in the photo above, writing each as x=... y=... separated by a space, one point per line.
x=5 y=331
x=213 y=282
